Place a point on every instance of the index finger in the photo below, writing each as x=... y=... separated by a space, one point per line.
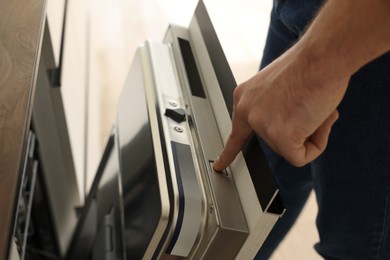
x=237 y=138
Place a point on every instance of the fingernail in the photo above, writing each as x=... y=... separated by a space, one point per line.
x=216 y=162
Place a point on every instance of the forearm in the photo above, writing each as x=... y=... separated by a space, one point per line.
x=346 y=35
x=292 y=103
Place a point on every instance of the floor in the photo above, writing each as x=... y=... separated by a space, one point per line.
x=117 y=27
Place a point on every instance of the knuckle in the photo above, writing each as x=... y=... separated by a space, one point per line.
x=271 y=133
x=297 y=161
x=237 y=93
x=235 y=138
x=240 y=108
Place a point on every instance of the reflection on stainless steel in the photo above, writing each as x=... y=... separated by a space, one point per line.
x=142 y=202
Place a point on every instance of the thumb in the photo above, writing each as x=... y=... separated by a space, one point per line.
x=317 y=142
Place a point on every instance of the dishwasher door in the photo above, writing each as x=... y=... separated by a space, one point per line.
x=188 y=87
x=156 y=195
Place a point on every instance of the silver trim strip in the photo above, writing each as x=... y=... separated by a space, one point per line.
x=158 y=154
x=168 y=90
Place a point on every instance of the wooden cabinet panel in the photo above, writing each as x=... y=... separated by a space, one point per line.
x=21 y=30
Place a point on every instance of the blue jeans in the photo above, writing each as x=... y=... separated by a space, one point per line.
x=351 y=179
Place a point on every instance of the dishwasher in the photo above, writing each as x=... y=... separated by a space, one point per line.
x=156 y=195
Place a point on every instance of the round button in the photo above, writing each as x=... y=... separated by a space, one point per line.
x=178 y=129
x=173 y=103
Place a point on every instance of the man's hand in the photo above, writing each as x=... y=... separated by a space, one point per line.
x=292 y=103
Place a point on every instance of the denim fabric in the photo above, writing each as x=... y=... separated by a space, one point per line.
x=351 y=179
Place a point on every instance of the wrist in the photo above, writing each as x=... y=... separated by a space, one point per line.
x=322 y=70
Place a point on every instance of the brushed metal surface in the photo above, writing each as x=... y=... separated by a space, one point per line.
x=189 y=197
x=226 y=223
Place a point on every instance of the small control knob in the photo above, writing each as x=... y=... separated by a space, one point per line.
x=177 y=114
